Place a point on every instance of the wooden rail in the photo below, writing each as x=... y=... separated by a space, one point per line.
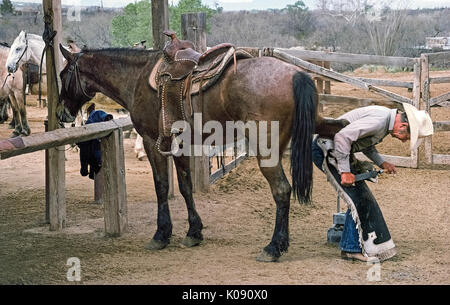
x=60 y=137
x=348 y=58
x=113 y=164
x=391 y=99
x=281 y=54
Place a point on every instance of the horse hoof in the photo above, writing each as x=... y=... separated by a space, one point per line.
x=15 y=134
x=156 y=245
x=266 y=258
x=191 y=242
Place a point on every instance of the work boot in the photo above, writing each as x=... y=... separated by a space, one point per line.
x=357 y=256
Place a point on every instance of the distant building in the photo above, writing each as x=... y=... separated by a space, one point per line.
x=27 y=11
x=434 y=43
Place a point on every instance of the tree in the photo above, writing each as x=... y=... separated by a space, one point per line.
x=300 y=22
x=133 y=25
x=386 y=35
x=6 y=8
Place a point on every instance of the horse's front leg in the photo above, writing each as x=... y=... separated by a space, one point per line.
x=194 y=235
x=16 y=117
x=281 y=192
x=161 y=178
x=23 y=114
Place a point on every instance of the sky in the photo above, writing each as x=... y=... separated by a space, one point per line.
x=230 y=5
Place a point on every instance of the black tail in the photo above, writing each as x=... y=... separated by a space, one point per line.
x=305 y=98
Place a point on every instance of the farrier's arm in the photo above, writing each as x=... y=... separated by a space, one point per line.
x=373 y=154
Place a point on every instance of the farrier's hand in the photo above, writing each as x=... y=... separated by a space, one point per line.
x=347 y=179
x=389 y=167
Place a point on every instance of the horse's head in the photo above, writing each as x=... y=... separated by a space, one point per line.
x=76 y=89
x=18 y=53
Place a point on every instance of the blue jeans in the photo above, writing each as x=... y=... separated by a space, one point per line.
x=350 y=238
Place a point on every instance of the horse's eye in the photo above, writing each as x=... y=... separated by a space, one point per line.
x=18 y=49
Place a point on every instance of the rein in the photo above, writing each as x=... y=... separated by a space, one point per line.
x=4 y=83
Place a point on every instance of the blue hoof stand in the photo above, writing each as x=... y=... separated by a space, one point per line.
x=334 y=233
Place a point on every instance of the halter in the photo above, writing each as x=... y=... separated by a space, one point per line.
x=20 y=58
x=74 y=71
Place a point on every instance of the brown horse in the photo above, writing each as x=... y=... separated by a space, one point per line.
x=259 y=89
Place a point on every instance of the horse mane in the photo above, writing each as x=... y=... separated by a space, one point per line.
x=34 y=36
x=119 y=52
x=130 y=55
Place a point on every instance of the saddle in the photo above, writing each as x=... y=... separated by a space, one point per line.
x=32 y=73
x=182 y=72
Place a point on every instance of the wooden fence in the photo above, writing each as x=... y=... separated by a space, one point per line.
x=388 y=98
x=113 y=166
x=428 y=102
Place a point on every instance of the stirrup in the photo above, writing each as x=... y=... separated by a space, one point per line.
x=169 y=153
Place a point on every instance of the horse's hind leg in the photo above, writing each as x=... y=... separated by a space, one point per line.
x=194 y=235
x=281 y=192
x=161 y=179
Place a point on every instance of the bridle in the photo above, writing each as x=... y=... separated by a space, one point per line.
x=24 y=51
x=74 y=72
x=17 y=62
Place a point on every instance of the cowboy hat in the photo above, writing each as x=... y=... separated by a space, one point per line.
x=420 y=125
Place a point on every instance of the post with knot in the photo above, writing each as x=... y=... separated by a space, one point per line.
x=56 y=156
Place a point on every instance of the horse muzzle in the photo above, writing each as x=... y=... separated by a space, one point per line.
x=63 y=114
x=12 y=68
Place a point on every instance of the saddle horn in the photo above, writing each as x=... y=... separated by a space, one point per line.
x=171 y=34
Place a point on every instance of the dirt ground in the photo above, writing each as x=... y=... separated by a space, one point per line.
x=238 y=216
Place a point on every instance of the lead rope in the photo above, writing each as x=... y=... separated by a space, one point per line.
x=4 y=83
x=48 y=37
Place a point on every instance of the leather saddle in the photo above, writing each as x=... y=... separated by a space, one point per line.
x=182 y=72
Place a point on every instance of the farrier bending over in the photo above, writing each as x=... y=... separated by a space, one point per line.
x=367 y=127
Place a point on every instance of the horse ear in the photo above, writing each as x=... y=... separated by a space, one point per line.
x=74 y=48
x=66 y=53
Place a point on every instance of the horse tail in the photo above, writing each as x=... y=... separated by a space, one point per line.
x=303 y=126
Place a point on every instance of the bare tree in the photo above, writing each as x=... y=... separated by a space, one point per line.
x=385 y=35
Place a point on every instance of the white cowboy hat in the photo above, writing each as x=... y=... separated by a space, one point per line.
x=420 y=125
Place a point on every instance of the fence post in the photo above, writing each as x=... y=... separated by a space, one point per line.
x=426 y=103
x=193 y=28
x=114 y=185
x=56 y=156
x=327 y=90
x=98 y=187
x=160 y=23
x=416 y=99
